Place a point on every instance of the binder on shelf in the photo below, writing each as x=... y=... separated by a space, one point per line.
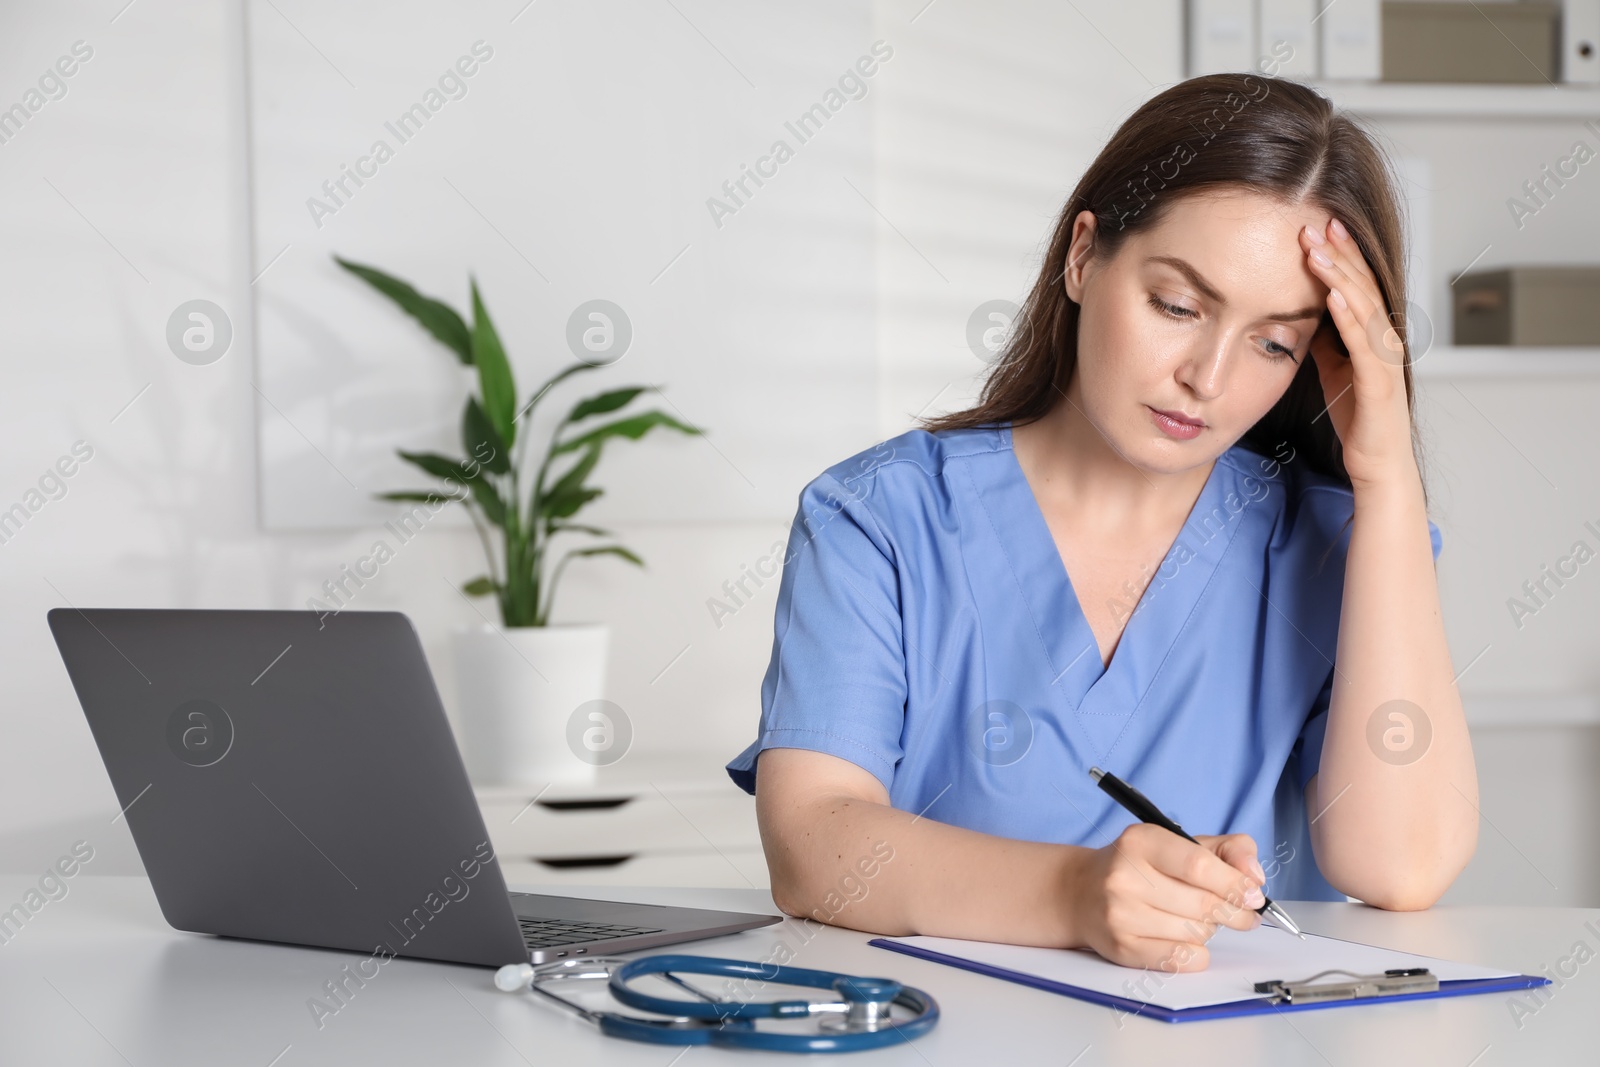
x=1288 y=22
x=1249 y=973
x=1351 y=41
x=1222 y=36
x=1580 y=41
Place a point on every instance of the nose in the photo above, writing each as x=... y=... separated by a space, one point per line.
x=1204 y=371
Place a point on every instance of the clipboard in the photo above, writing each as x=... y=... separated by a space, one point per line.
x=1252 y=972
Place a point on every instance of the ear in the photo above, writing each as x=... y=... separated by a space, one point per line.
x=1079 y=255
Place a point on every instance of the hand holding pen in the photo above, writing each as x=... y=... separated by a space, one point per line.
x=1151 y=899
x=1140 y=807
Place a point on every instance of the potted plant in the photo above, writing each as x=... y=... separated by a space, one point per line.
x=519 y=683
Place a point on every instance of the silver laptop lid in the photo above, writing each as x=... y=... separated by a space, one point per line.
x=291 y=779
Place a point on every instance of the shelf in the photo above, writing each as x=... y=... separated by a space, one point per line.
x=1492 y=361
x=1531 y=711
x=641 y=773
x=728 y=868
x=1419 y=100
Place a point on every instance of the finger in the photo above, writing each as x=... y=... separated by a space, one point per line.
x=1150 y=918
x=1355 y=327
x=1243 y=905
x=1197 y=911
x=1346 y=256
x=1350 y=253
x=1347 y=272
x=1377 y=350
x=1238 y=851
x=1199 y=866
x=1335 y=275
x=1369 y=328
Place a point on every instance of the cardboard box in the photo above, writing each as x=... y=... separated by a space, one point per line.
x=1496 y=41
x=1531 y=306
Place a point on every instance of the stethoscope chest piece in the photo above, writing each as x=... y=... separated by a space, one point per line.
x=867 y=1005
x=869 y=1012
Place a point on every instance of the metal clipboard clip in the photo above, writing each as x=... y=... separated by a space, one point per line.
x=1387 y=984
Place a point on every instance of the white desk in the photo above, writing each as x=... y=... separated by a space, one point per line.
x=98 y=978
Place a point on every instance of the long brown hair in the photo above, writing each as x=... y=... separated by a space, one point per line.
x=1271 y=136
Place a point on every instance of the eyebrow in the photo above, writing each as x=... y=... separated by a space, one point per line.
x=1210 y=293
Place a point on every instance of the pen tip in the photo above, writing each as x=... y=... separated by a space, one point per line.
x=1096 y=773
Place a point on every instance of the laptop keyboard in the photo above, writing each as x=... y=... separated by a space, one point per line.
x=551 y=933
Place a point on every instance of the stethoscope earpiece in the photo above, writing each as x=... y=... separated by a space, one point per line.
x=513 y=976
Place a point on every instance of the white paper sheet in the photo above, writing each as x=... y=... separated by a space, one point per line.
x=1238 y=961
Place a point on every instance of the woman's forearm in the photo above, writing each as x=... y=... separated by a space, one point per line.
x=1395 y=801
x=842 y=859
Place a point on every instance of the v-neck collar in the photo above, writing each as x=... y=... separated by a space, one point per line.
x=1071 y=653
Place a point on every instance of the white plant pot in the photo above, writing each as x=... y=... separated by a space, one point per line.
x=518 y=689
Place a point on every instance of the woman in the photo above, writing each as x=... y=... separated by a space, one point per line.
x=1182 y=536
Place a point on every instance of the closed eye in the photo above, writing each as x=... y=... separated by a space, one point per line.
x=1175 y=310
x=1275 y=351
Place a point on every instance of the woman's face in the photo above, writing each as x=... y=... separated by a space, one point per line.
x=1207 y=315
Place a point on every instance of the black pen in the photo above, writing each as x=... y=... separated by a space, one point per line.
x=1140 y=808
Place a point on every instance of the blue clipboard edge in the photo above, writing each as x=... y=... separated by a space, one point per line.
x=1455 y=988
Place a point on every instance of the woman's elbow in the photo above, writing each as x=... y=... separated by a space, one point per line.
x=790 y=893
x=1414 y=897
x=1407 y=890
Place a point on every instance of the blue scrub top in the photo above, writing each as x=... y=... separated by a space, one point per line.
x=926 y=630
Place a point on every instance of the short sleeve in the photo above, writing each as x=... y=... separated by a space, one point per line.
x=1307 y=754
x=836 y=682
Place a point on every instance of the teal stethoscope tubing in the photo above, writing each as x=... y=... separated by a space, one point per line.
x=729 y=1023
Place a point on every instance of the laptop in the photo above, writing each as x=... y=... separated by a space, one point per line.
x=289 y=776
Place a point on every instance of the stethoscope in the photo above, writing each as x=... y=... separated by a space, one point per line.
x=864 y=1016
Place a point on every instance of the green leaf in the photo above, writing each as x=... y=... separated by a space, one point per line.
x=573 y=480
x=634 y=427
x=439 y=466
x=555 y=576
x=604 y=403
x=457 y=472
x=421 y=496
x=483 y=440
x=608 y=550
x=437 y=318
x=551 y=384
x=494 y=509
x=480 y=586
x=494 y=373
x=575 y=527
x=568 y=505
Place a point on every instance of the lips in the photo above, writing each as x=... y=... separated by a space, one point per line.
x=1178 y=416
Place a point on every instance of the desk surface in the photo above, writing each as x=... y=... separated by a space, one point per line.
x=97 y=977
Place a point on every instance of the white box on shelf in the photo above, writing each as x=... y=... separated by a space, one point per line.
x=1352 y=41
x=1580 y=41
x=1280 y=22
x=1222 y=36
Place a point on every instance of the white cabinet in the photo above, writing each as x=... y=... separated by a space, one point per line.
x=670 y=820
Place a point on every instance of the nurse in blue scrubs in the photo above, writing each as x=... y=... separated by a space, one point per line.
x=1182 y=536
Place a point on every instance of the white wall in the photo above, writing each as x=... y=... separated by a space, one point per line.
x=148 y=150
x=130 y=195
